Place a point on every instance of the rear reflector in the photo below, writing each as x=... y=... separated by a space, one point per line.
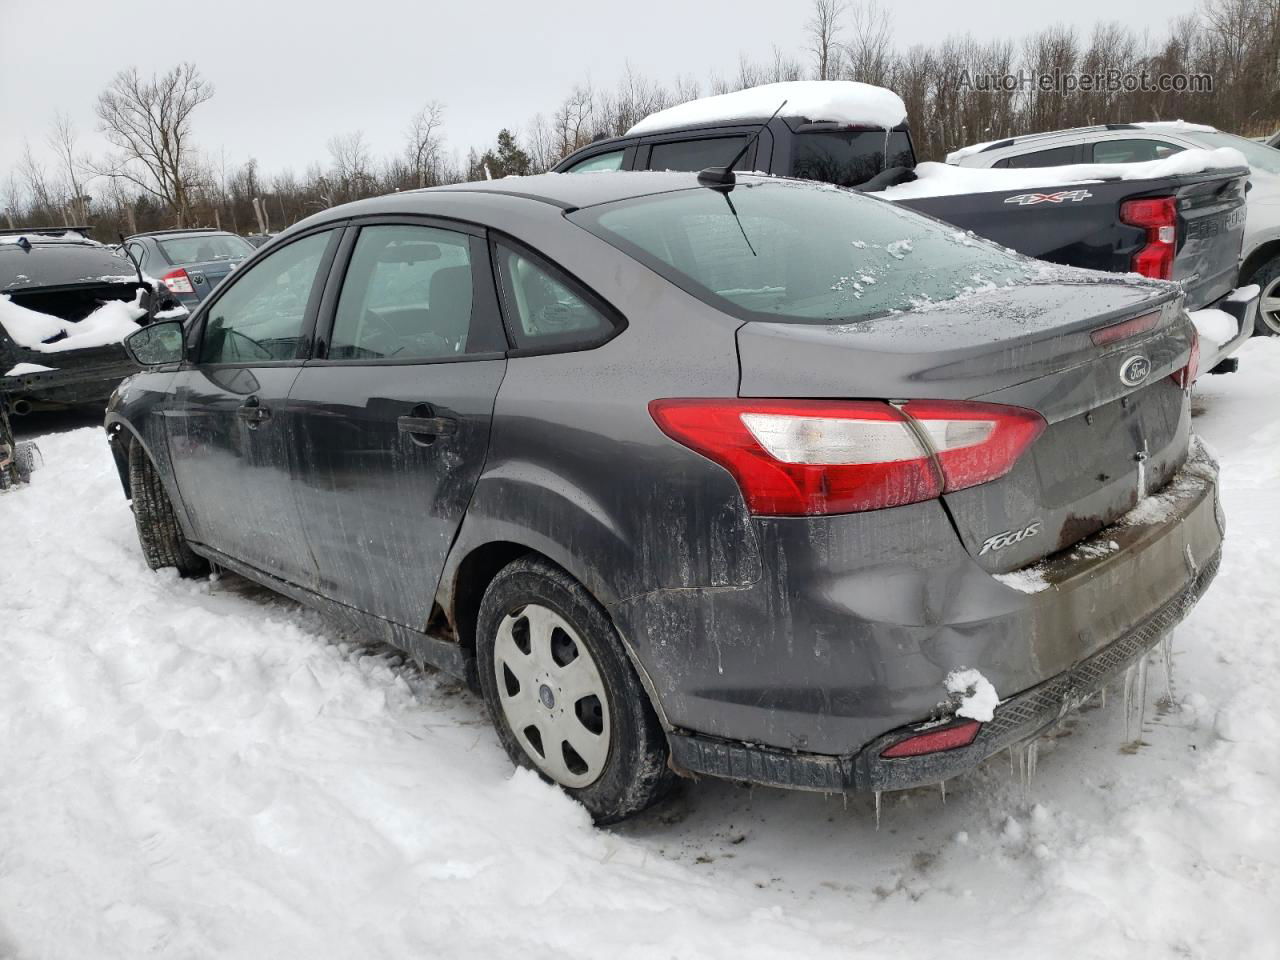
x=959 y=734
x=1187 y=375
x=1159 y=217
x=1124 y=329
x=814 y=457
x=178 y=282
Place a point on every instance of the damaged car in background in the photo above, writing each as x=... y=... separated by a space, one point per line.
x=688 y=479
x=66 y=302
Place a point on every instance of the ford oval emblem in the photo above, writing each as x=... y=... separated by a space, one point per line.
x=1134 y=370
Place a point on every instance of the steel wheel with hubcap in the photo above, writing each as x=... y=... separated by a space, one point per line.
x=562 y=692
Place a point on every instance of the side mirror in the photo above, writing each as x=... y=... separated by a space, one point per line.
x=156 y=344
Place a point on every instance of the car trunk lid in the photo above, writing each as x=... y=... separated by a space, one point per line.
x=1109 y=439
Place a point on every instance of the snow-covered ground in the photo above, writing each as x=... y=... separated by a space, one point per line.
x=204 y=770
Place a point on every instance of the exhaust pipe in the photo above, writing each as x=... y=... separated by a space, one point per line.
x=21 y=408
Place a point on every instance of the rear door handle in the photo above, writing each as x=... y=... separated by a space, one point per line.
x=427 y=428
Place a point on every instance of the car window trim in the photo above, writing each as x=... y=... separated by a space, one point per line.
x=616 y=318
x=483 y=293
x=306 y=334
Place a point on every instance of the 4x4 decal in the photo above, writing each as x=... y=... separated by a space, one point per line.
x=1062 y=196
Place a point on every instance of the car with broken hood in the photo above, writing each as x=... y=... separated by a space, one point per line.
x=687 y=479
x=66 y=302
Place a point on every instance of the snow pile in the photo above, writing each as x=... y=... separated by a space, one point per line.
x=941 y=179
x=195 y=769
x=976 y=697
x=841 y=101
x=1216 y=325
x=1178 y=126
x=21 y=368
x=110 y=323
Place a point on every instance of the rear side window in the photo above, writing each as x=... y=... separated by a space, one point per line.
x=786 y=250
x=1057 y=157
x=545 y=308
x=407 y=295
x=260 y=317
x=1132 y=151
x=848 y=158
x=601 y=161
x=694 y=155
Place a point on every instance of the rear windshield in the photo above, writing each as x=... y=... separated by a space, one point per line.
x=1259 y=155
x=212 y=246
x=849 y=157
x=785 y=250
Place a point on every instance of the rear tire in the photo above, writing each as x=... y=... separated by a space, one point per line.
x=563 y=695
x=1267 y=276
x=161 y=538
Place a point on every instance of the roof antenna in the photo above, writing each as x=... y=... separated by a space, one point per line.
x=722 y=178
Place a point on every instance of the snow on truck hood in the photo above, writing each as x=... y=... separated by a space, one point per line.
x=840 y=101
x=943 y=179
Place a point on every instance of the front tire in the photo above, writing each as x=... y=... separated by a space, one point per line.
x=161 y=538
x=1267 y=321
x=562 y=694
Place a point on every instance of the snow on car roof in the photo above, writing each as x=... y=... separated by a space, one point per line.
x=841 y=101
x=942 y=179
x=1176 y=125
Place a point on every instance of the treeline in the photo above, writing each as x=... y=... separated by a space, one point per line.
x=155 y=176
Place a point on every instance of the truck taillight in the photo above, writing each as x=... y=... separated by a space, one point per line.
x=815 y=457
x=177 y=281
x=1159 y=217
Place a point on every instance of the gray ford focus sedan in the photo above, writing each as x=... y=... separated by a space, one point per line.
x=761 y=479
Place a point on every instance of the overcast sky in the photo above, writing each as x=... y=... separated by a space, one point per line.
x=291 y=73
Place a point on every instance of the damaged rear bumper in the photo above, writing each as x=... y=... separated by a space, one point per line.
x=1017 y=719
x=1171 y=543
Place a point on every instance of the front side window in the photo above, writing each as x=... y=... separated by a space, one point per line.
x=694 y=155
x=786 y=250
x=848 y=158
x=260 y=317
x=601 y=161
x=407 y=296
x=546 y=308
x=1132 y=151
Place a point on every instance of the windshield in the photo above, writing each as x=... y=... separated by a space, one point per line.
x=784 y=250
x=1259 y=155
x=206 y=246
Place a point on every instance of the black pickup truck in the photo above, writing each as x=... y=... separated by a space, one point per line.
x=1188 y=228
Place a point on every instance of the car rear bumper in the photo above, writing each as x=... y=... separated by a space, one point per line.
x=802 y=681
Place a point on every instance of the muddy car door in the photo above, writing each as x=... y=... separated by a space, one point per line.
x=392 y=416
x=227 y=425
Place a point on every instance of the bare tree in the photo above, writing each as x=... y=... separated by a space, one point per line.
x=870 y=51
x=823 y=29
x=424 y=143
x=62 y=140
x=351 y=165
x=150 y=122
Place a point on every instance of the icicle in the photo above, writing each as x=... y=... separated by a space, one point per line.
x=877 y=810
x=1166 y=655
x=1103 y=692
x=1135 y=699
x=942 y=784
x=1033 y=754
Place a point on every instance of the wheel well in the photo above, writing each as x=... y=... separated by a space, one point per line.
x=120 y=440
x=1268 y=251
x=474 y=575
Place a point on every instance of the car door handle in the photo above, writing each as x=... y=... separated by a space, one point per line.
x=253 y=412
x=427 y=426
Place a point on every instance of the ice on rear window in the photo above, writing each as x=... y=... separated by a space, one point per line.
x=838 y=101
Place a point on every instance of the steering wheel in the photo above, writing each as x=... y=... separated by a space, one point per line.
x=383 y=333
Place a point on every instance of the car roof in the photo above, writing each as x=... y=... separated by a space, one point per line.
x=1050 y=138
x=178 y=233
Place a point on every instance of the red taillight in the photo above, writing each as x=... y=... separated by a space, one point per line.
x=1124 y=329
x=1159 y=217
x=1187 y=375
x=177 y=281
x=811 y=457
x=959 y=734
